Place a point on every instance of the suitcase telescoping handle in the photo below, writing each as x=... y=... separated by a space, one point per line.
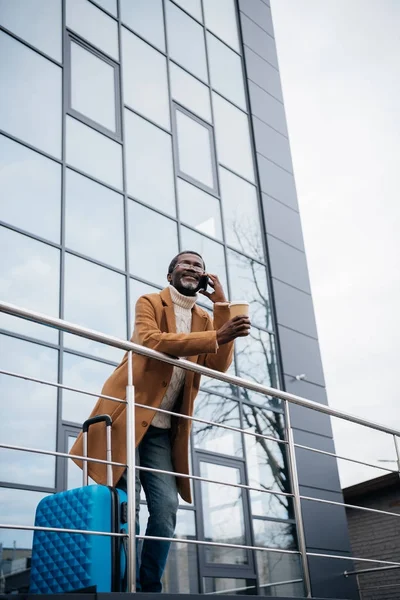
x=85 y=430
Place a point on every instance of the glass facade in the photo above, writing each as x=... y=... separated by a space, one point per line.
x=124 y=138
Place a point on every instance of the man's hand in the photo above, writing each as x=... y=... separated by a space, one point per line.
x=218 y=294
x=237 y=327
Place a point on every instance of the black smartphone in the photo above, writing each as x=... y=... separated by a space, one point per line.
x=203 y=283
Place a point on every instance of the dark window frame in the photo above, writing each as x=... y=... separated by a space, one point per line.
x=214 y=191
x=206 y=569
x=73 y=38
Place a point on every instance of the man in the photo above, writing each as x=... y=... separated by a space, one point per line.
x=172 y=323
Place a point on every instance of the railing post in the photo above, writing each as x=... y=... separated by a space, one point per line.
x=294 y=480
x=131 y=471
x=396 y=445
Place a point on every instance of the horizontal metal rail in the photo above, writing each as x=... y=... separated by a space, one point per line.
x=252 y=587
x=372 y=570
x=60 y=530
x=355 y=506
x=353 y=558
x=61 y=454
x=205 y=480
x=216 y=544
x=353 y=460
x=110 y=340
x=159 y=410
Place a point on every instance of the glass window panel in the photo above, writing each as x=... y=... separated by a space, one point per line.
x=226 y=71
x=27 y=75
x=94 y=153
x=221 y=19
x=273 y=534
x=223 y=515
x=276 y=568
x=153 y=242
x=186 y=41
x=248 y=281
x=90 y=202
x=110 y=5
x=192 y=6
x=227 y=585
x=94 y=297
x=138 y=288
x=256 y=360
x=31 y=403
x=30 y=277
x=211 y=437
x=93 y=25
x=30 y=190
x=39 y=23
x=266 y=462
x=212 y=252
x=190 y=92
x=85 y=374
x=146 y=18
x=233 y=137
x=241 y=214
x=211 y=385
x=17 y=507
x=145 y=79
x=93 y=86
x=194 y=149
x=199 y=209
x=181 y=571
x=149 y=163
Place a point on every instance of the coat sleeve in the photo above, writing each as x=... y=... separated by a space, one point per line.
x=148 y=334
x=220 y=360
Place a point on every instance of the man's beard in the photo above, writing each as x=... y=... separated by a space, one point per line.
x=189 y=285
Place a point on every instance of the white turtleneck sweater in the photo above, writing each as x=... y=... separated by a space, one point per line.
x=183 y=316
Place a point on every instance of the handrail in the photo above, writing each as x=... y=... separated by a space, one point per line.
x=110 y=340
x=131 y=348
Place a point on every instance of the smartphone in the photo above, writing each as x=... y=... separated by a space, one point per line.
x=203 y=283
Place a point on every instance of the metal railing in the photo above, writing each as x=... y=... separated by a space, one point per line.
x=287 y=398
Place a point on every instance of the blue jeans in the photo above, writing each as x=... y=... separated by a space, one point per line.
x=162 y=501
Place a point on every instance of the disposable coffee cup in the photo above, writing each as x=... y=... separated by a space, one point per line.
x=239 y=308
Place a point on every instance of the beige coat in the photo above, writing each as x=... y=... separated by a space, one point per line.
x=155 y=328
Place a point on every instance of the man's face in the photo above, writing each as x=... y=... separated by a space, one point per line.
x=187 y=274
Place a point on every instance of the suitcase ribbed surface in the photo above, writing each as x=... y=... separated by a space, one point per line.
x=62 y=561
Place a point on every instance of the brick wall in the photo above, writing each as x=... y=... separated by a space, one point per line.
x=376 y=536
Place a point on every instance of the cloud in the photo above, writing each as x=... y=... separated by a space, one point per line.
x=339 y=68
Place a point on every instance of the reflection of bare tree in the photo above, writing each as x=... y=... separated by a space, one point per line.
x=256 y=361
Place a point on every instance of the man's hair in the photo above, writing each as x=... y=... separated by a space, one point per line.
x=175 y=260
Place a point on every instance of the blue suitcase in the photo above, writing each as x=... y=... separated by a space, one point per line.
x=69 y=562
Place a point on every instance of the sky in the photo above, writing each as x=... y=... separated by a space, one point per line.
x=340 y=68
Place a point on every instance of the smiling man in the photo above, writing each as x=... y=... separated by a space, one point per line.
x=172 y=323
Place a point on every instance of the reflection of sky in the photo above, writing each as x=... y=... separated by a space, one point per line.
x=29 y=278
x=30 y=190
x=31 y=403
x=18 y=507
x=217 y=439
x=249 y=282
x=86 y=374
x=94 y=298
x=29 y=75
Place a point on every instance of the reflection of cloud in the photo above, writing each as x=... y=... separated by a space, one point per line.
x=17 y=507
x=85 y=374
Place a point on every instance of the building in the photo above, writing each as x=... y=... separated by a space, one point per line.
x=374 y=535
x=131 y=129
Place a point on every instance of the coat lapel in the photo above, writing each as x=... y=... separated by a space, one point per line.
x=168 y=310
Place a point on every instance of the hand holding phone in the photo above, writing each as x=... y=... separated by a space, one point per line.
x=217 y=295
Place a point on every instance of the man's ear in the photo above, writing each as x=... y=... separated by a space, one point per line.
x=169 y=277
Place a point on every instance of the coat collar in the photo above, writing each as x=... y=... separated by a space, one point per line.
x=199 y=317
